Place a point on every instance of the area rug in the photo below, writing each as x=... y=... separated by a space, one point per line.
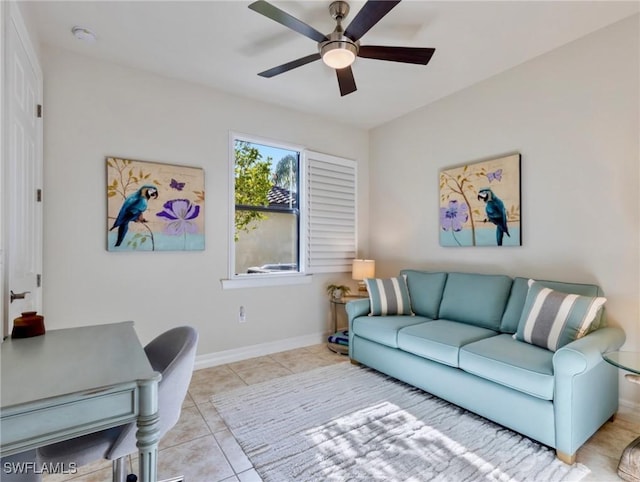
x=350 y=423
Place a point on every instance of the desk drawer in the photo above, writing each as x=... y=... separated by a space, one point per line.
x=70 y=417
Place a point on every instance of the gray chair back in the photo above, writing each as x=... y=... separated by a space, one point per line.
x=173 y=355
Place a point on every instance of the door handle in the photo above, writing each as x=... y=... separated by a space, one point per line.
x=18 y=296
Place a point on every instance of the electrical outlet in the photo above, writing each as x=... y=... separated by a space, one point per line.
x=242 y=315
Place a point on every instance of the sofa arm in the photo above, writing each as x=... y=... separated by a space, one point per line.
x=586 y=388
x=357 y=308
x=584 y=353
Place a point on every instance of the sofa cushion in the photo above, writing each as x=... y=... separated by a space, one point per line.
x=477 y=299
x=425 y=291
x=551 y=319
x=511 y=363
x=389 y=296
x=440 y=340
x=519 y=291
x=383 y=329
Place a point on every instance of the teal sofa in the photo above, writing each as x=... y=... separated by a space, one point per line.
x=459 y=346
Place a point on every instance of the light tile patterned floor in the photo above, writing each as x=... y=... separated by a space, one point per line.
x=201 y=448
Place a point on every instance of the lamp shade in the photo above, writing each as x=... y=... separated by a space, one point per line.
x=363 y=269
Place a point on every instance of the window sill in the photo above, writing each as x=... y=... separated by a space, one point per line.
x=270 y=280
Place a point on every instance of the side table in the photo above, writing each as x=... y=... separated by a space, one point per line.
x=629 y=466
x=335 y=302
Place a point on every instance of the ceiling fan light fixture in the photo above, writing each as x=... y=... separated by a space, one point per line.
x=338 y=54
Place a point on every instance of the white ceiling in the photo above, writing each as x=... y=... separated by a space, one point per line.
x=223 y=44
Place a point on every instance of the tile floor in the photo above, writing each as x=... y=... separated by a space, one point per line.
x=201 y=448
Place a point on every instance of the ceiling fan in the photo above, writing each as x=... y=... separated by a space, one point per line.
x=340 y=48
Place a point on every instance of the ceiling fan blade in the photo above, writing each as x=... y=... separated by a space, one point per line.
x=281 y=69
x=346 y=81
x=282 y=17
x=409 y=55
x=368 y=16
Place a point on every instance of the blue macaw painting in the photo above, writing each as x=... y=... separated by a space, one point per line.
x=154 y=207
x=480 y=203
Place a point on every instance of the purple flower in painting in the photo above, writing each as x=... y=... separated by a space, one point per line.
x=179 y=213
x=454 y=216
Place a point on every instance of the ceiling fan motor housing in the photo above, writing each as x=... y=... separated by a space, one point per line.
x=339 y=51
x=338 y=44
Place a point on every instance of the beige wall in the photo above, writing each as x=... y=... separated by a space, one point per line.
x=573 y=115
x=96 y=109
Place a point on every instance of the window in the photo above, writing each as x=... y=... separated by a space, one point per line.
x=293 y=211
x=267 y=208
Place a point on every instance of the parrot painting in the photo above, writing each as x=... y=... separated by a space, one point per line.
x=496 y=213
x=132 y=209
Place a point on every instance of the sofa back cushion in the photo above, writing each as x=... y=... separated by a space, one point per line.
x=519 y=291
x=425 y=289
x=477 y=299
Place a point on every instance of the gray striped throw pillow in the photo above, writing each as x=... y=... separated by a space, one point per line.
x=389 y=296
x=551 y=319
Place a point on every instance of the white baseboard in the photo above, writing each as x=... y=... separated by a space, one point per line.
x=632 y=406
x=237 y=354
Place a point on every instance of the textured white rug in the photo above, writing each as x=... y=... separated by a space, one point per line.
x=348 y=423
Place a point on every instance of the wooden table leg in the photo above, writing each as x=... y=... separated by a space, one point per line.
x=148 y=433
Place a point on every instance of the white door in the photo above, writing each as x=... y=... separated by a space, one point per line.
x=22 y=175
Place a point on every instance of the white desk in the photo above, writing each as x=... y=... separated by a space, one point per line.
x=76 y=381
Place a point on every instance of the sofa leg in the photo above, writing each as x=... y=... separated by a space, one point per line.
x=568 y=459
x=612 y=418
x=355 y=362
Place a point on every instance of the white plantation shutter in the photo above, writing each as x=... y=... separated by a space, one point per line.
x=331 y=213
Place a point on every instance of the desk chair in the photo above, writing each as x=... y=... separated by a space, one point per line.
x=172 y=354
x=19 y=468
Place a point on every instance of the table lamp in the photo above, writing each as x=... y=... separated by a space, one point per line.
x=361 y=270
